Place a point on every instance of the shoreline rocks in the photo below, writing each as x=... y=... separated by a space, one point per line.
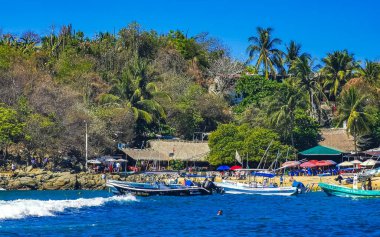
x=38 y=179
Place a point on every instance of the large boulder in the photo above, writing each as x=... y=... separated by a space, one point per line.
x=23 y=183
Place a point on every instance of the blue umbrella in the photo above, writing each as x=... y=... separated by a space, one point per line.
x=223 y=168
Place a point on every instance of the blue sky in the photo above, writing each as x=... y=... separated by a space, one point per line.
x=320 y=26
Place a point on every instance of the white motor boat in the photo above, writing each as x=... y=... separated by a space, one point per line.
x=254 y=188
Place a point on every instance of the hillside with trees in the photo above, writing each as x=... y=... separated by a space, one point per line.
x=130 y=86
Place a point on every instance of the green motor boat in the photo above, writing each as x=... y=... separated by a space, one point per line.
x=336 y=190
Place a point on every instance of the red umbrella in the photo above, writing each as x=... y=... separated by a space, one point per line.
x=235 y=167
x=308 y=164
x=323 y=163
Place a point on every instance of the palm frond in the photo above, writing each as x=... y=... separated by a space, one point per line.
x=145 y=116
x=108 y=98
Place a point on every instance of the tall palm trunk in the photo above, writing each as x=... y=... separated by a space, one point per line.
x=266 y=69
x=355 y=144
x=291 y=130
x=312 y=114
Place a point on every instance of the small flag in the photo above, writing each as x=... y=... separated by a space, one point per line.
x=238 y=158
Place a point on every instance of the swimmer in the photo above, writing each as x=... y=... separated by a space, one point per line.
x=220 y=212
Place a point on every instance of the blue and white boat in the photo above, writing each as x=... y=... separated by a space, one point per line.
x=252 y=188
x=257 y=188
x=161 y=189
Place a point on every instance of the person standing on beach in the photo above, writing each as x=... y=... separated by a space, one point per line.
x=340 y=178
x=369 y=184
x=33 y=161
x=355 y=182
x=45 y=162
x=281 y=181
x=13 y=167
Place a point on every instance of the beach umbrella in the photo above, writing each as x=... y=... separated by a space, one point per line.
x=373 y=152
x=321 y=163
x=291 y=163
x=369 y=162
x=235 y=167
x=332 y=162
x=93 y=162
x=110 y=160
x=121 y=160
x=308 y=164
x=356 y=163
x=223 y=168
x=345 y=164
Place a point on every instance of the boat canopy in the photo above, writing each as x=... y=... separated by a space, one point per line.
x=260 y=174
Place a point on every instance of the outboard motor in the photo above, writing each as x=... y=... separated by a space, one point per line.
x=300 y=187
x=208 y=185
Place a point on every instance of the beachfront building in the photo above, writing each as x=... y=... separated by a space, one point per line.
x=334 y=145
x=160 y=152
x=321 y=153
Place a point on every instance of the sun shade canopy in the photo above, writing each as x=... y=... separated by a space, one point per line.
x=320 y=151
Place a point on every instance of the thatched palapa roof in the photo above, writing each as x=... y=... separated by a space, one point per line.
x=170 y=150
x=337 y=138
x=144 y=154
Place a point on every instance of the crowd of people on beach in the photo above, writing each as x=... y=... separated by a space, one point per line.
x=313 y=171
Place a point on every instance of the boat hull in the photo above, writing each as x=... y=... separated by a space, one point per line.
x=122 y=188
x=335 y=190
x=236 y=187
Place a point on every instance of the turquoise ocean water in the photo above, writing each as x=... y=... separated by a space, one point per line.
x=98 y=213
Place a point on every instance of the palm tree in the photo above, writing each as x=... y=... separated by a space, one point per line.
x=282 y=110
x=370 y=72
x=352 y=110
x=339 y=68
x=304 y=70
x=293 y=51
x=136 y=93
x=265 y=47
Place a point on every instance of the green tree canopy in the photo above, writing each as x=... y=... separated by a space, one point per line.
x=339 y=67
x=11 y=128
x=351 y=111
x=254 y=89
x=249 y=142
x=306 y=131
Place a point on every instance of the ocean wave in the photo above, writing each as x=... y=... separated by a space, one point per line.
x=21 y=208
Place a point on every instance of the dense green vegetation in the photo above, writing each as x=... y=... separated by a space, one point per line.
x=135 y=84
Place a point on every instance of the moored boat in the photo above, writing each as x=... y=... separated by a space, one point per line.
x=161 y=189
x=232 y=187
x=336 y=190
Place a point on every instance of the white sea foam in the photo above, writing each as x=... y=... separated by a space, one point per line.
x=21 y=208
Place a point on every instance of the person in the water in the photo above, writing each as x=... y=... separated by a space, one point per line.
x=220 y=212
